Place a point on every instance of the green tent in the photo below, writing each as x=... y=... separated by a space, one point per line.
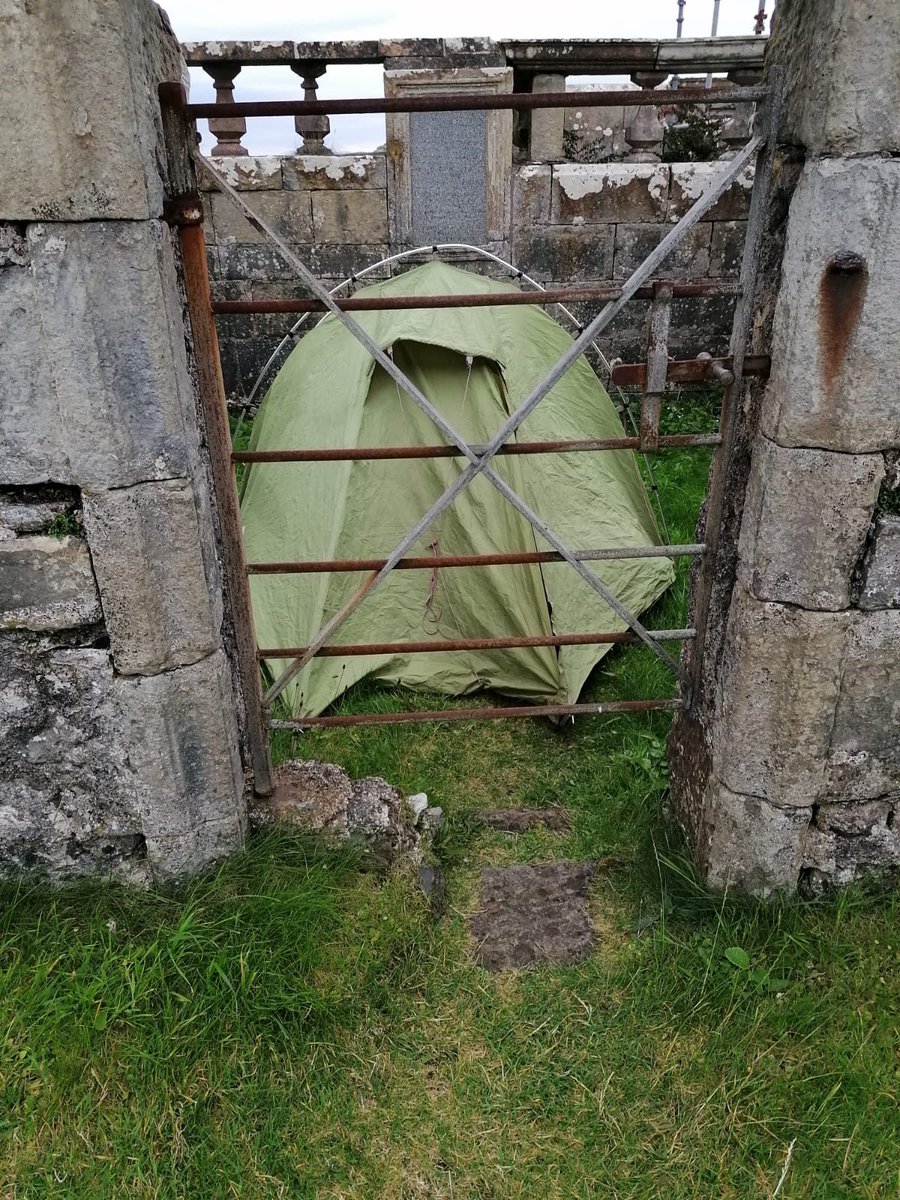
x=476 y=365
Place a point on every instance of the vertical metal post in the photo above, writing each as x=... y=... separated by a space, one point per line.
x=186 y=213
x=657 y=366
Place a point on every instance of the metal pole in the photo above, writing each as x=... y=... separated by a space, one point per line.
x=480 y=714
x=367 y=649
x=186 y=212
x=740 y=333
x=712 y=34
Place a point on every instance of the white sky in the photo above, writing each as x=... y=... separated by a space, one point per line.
x=203 y=20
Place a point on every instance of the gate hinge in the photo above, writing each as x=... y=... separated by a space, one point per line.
x=183 y=210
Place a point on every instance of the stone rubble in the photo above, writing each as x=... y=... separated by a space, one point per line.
x=320 y=798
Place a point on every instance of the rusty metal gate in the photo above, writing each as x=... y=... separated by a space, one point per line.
x=184 y=211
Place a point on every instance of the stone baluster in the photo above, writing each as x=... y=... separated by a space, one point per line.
x=645 y=131
x=313 y=130
x=227 y=129
x=736 y=129
x=545 y=143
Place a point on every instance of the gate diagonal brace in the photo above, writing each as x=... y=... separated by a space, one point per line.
x=480 y=464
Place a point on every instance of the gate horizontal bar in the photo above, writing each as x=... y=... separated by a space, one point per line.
x=366 y=453
x=363 y=649
x=688 y=370
x=426 y=563
x=480 y=714
x=469 y=101
x=469 y=300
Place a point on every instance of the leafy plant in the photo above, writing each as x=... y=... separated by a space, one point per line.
x=64 y=524
x=693 y=135
x=740 y=960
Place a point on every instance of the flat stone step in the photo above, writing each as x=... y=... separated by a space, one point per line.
x=532 y=915
x=518 y=820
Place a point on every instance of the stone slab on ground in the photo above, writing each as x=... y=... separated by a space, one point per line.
x=518 y=820
x=533 y=915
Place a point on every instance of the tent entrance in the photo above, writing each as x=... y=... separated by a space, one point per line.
x=479 y=461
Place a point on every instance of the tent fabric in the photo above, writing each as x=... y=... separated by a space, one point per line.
x=475 y=365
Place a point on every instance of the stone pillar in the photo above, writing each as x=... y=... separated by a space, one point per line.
x=119 y=739
x=786 y=769
x=545 y=143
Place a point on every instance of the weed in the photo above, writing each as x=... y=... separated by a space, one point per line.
x=64 y=524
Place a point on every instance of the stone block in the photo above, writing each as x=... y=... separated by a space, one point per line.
x=849 y=840
x=699 y=323
x=689 y=260
x=29 y=450
x=335 y=172
x=596 y=193
x=161 y=609
x=531 y=195
x=880 y=578
x=566 y=254
x=286 y=213
x=28 y=517
x=691 y=180
x=350 y=217
x=598 y=133
x=13 y=246
x=726 y=249
x=750 y=845
x=841 y=60
x=183 y=748
x=81 y=114
x=864 y=748
x=263 y=264
x=834 y=350
x=46 y=583
x=253 y=173
x=545 y=142
x=779 y=689
x=806 y=517
x=68 y=804
x=98 y=392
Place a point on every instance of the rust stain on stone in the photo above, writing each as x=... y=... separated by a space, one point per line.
x=842 y=292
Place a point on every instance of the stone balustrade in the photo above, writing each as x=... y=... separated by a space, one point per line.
x=536 y=66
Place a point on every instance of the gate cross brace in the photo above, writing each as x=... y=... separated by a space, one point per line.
x=480 y=464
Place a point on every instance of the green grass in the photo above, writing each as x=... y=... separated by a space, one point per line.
x=291 y=1027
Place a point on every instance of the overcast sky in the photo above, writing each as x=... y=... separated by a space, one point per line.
x=204 y=20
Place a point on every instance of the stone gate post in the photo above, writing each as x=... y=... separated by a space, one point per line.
x=786 y=770
x=119 y=714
